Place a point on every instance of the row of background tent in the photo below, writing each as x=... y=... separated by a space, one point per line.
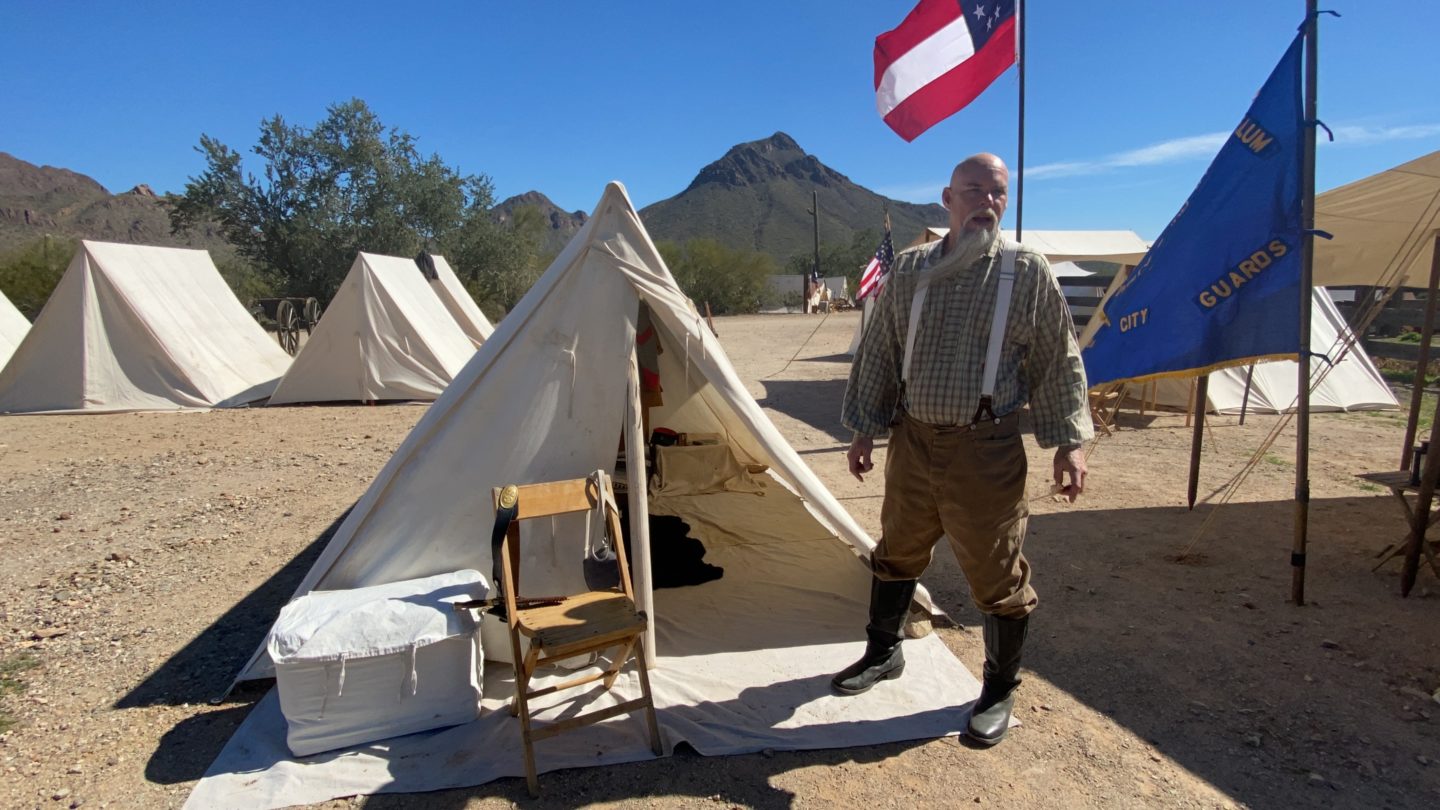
x=140 y=328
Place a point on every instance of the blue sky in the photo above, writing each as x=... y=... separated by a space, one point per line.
x=1126 y=100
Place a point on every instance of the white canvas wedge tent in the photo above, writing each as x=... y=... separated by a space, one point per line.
x=388 y=334
x=743 y=662
x=138 y=328
x=13 y=327
x=458 y=301
x=1353 y=384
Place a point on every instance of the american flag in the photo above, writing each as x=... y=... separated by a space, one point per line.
x=878 y=270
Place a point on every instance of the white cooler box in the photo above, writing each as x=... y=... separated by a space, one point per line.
x=366 y=664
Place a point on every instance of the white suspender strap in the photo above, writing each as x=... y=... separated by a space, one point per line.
x=1003 y=294
x=917 y=303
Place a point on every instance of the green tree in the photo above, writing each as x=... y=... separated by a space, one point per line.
x=839 y=259
x=346 y=185
x=498 y=262
x=730 y=281
x=29 y=275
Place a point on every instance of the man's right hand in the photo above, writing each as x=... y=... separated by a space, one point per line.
x=859 y=456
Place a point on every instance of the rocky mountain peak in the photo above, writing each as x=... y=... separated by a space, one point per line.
x=759 y=162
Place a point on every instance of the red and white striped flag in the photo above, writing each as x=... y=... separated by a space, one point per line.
x=877 y=272
x=939 y=59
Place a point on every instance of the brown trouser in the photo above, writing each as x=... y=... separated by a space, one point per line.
x=966 y=484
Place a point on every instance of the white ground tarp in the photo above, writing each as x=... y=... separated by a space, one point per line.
x=13 y=326
x=458 y=301
x=1354 y=384
x=1384 y=227
x=745 y=666
x=386 y=335
x=136 y=328
x=743 y=662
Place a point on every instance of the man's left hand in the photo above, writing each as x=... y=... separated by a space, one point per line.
x=1070 y=460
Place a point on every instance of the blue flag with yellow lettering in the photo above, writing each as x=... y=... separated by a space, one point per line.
x=1220 y=287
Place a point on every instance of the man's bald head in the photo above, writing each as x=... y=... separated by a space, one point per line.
x=978 y=193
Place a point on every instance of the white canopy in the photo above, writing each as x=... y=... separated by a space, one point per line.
x=1384 y=227
x=386 y=335
x=1354 y=384
x=458 y=301
x=136 y=328
x=13 y=327
x=1121 y=247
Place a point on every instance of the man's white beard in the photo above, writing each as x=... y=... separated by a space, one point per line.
x=968 y=246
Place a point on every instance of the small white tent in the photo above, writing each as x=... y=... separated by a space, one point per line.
x=743 y=662
x=137 y=328
x=458 y=301
x=387 y=335
x=1353 y=384
x=13 y=327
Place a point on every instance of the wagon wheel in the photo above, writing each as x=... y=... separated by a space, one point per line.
x=287 y=326
x=311 y=316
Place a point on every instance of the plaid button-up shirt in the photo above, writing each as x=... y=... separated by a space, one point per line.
x=1039 y=359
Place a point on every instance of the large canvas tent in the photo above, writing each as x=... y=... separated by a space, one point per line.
x=13 y=327
x=1353 y=384
x=1383 y=227
x=743 y=662
x=388 y=334
x=458 y=301
x=137 y=328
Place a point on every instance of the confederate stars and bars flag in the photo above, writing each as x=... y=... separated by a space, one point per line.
x=944 y=54
x=877 y=272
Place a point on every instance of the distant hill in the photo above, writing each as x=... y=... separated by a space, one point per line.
x=758 y=197
x=40 y=200
x=560 y=224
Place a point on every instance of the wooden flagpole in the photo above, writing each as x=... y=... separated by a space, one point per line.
x=1202 y=396
x=1307 y=282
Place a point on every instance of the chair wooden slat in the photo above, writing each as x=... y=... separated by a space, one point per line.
x=584 y=623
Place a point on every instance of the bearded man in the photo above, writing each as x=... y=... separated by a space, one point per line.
x=956 y=465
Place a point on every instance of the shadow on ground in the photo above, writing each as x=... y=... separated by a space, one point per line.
x=814 y=402
x=1273 y=704
x=201 y=671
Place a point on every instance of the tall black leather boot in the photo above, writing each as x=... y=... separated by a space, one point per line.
x=1004 y=639
x=883 y=660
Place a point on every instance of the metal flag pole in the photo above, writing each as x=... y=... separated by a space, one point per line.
x=1307 y=282
x=1020 y=157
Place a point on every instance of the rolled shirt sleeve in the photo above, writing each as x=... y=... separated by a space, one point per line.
x=1054 y=372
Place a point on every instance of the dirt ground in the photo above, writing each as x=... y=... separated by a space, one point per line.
x=145 y=555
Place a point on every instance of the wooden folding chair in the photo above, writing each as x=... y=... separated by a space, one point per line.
x=1105 y=404
x=559 y=627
